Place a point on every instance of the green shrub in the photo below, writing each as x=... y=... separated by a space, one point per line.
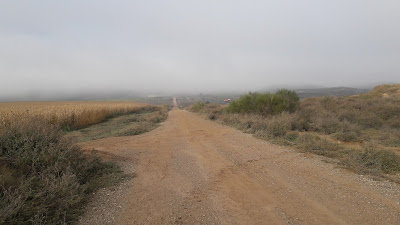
x=136 y=129
x=266 y=103
x=51 y=177
x=286 y=100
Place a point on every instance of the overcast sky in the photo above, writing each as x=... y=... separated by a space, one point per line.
x=202 y=46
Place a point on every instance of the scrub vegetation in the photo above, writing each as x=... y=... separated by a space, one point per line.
x=45 y=177
x=361 y=131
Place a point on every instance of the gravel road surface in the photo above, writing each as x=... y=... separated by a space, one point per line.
x=195 y=171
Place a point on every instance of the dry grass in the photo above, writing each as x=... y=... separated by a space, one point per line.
x=386 y=90
x=336 y=127
x=68 y=115
x=45 y=178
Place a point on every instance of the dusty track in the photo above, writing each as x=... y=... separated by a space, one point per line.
x=194 y=171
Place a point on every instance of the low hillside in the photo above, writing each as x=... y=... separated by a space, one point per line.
x=333 y=91
x=387 y=90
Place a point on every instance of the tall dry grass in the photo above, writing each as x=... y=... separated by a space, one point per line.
x=68 y=115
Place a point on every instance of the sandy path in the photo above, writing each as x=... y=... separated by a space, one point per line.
x=194 y=171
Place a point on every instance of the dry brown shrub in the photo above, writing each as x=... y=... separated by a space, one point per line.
x=315 y=144
x=277 y=126
x=45 y=177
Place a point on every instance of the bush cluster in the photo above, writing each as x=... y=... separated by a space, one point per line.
x=45 y=178
x=277 y=126
x=375 y=161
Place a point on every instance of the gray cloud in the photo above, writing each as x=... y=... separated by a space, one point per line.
x=197 y=46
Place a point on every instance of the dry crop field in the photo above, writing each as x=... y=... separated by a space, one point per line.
x=67 y=114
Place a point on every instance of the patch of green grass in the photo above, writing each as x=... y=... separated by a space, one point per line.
x=127 y=125
x=135 y=129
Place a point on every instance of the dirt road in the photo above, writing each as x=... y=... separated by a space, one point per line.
x=194 y=171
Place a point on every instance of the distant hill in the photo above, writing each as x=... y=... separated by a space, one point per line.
x=332 y=91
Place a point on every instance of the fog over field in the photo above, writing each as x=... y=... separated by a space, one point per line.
x=77 y=48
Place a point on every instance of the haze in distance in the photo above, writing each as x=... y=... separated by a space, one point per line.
x=72 y=49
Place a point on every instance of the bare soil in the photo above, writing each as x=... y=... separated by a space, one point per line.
x=195 y=171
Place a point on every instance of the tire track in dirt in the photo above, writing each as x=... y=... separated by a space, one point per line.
x=194 y=171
